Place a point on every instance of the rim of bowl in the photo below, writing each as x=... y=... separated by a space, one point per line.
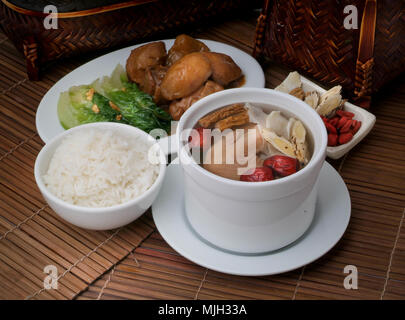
x=59 y=137
x=315 y=158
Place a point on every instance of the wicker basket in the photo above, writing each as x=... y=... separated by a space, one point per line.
x=309 y=36
x=102 y=27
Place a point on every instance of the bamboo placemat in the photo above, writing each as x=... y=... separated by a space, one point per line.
x=134 y=262
x=374 y=242
x=32 y=236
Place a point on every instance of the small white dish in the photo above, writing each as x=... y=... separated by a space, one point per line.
x=367 y=122
x=332 y=216
x=105 y=218
x=47 y=121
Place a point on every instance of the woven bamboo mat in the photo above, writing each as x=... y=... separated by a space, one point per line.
x=134 y=262
x=32 y=236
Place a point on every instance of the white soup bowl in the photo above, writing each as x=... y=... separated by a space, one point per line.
x=251 y=217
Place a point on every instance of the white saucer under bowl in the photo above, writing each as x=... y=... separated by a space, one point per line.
x=332 y=215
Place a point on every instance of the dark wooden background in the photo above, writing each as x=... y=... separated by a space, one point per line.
x=134 y=262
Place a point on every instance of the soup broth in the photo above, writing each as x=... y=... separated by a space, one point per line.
x=251 y=142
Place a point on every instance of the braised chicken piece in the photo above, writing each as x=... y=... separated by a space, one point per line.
x=178 y=107
x=186 y=76
x=151 y=82
x=219 y=166
x=183 y=75
x=224 y=69
x=143 y=57
x=184 y=45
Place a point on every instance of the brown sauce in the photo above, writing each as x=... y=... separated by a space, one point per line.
x=237 y=83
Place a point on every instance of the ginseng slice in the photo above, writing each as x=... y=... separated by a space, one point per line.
x=292 y=81
x=312 y=99
x=335 y=91
x=277 y=123
x=301 y=152
x=298 y=132
x=298 y=135
x=330 y=104
x=280 y=143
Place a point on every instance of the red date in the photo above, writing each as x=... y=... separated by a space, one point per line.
x=282 y=165
x=200 y=141
x=260 y=174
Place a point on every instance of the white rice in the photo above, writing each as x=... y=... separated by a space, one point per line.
x=100 y=169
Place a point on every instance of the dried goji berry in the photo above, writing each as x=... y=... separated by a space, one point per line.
x=346 y=114
x=334 y=121
x=346 y=127
x=342 y=122
x=260 y=174
x=356 y=126
x=332 y=139
x=345 y=137
x=330 y=128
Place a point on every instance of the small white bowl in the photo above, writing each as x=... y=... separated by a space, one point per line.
x=98 y=218
x=251 y=217
x=367 y=122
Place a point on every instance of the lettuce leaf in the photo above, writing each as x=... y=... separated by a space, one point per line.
x=135 y=107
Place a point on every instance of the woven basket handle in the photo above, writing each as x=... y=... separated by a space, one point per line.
x=365 y=60
x=260 y=27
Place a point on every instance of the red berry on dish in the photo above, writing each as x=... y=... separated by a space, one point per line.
x=346 y=127
x=346 y=114
x=345 y=137
x=330 y=128
x=332 y=139
x=356 y=126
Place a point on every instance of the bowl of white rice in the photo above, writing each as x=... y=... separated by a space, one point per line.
x=100 y=176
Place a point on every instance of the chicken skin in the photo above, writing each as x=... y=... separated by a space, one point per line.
x=185 y=76
x=143 y=57
x=224 y=69
x=182 y=46
x=178 y=107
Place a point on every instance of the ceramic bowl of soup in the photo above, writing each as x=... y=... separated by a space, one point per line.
x=251 y=217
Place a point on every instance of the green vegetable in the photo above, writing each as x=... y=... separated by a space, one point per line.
x=138 y=108
x=114 y=82
x=104 y=109
x=74 y=108
x=66 y=113
x=129 y=104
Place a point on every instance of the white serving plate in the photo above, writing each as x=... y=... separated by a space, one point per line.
x=332 y=215
x=367 y=122
x=47 y=121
